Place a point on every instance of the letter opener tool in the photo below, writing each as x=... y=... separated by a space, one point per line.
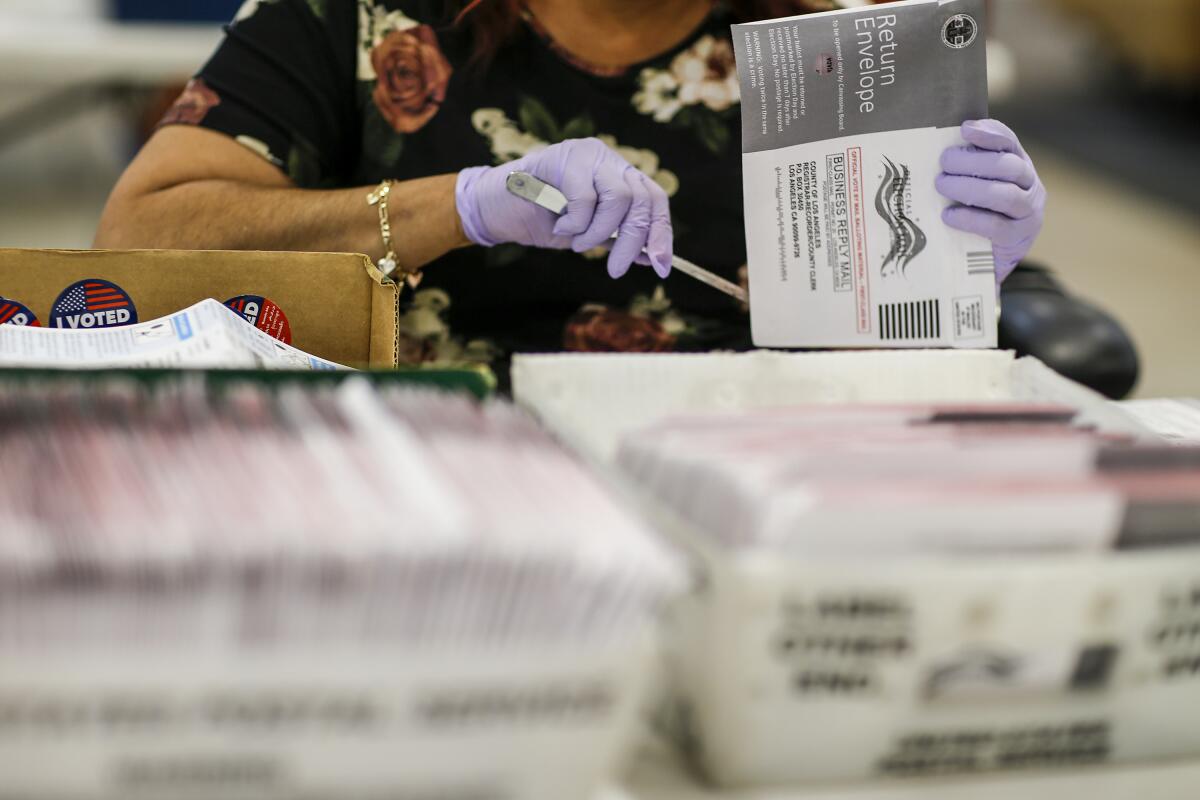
x=540 y=193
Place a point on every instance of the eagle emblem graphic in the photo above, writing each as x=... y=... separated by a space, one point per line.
x=908 y=240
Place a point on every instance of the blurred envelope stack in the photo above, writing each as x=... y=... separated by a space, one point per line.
x=912 y=591
x=910 y=565
x=967 y=480
x=265 y=589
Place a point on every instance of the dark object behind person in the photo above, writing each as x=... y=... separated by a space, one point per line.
x=1071 y=336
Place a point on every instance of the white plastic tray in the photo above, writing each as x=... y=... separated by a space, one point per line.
x=485 y=723
x=1014 y=664
x=591 y=400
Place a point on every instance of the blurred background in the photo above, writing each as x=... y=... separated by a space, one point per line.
x=1105 y=94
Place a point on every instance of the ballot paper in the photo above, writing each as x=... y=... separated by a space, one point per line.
x=845 y=115
x=206 y=335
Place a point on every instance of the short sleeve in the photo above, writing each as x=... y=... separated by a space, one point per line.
x=282 y=83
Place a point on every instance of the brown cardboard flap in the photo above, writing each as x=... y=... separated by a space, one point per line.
x=330 y=299
x=385 y=325
x=385 y=319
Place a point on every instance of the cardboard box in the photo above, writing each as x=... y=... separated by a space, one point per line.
x=337 y=306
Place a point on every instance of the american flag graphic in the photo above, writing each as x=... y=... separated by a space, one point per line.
x=14 y=312
x=91 y=296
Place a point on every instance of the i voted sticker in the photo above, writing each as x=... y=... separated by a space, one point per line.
x=262 y=314
x=92 y=303
x=14 y=313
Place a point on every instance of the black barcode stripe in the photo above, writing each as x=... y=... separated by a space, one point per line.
x=915 y=321
x=981 y=262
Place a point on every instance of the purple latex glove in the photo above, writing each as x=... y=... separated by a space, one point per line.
x=1000 y=195
x=605 y=195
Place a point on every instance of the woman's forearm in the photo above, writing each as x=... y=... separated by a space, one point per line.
x=222 y=214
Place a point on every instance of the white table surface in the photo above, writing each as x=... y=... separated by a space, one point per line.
x=52 y=53
x=658 y=777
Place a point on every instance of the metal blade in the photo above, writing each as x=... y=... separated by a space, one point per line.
x=537 y=191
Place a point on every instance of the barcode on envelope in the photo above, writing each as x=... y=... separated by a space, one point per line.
x=921 y=319
x=981 y=262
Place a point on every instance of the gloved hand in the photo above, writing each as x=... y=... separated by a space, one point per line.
x=605 y=195
x=1001 y=196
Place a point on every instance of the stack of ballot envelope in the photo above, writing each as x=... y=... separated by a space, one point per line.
x=905 y=480
x=250 y=588
x=918 y=590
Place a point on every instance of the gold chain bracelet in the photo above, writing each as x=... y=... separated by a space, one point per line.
x=387 y=264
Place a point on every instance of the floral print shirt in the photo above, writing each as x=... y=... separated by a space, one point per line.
x=349 y=92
